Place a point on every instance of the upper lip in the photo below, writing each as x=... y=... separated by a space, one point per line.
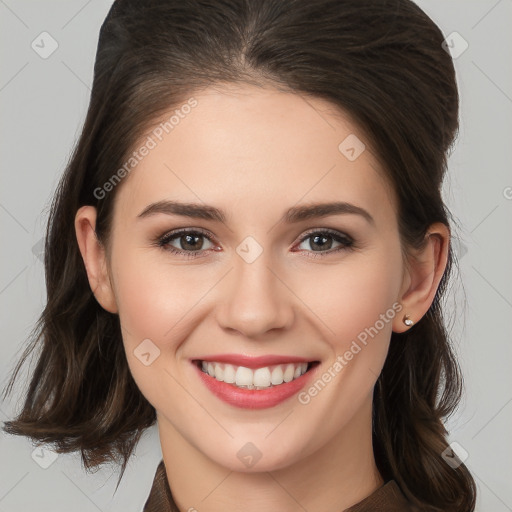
x=253 y=362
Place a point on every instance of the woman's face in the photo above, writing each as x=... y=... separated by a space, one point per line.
x=257 y=276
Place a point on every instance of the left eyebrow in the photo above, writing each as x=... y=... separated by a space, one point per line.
x=292 y=215
x=299 y=213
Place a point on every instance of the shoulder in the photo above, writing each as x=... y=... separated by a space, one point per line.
x=160 y=497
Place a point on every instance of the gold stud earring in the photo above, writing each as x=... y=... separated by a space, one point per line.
x=407 y=321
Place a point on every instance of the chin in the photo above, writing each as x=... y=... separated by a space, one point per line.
x=257 y=456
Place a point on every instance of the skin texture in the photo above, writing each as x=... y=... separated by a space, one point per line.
x=254 y=153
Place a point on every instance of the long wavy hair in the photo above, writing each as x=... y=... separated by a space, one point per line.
x=379 y=61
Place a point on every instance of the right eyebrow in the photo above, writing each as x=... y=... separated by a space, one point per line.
x=196 y=211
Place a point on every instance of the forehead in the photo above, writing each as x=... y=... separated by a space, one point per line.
x=258 y=150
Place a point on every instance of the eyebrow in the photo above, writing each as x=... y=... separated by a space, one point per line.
x=292 y=215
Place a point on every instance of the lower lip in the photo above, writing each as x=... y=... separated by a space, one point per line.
x=253 y=398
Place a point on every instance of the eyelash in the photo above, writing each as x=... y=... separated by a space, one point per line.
x=346 y=241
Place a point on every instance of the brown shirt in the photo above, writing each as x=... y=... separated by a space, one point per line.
x=387 y=498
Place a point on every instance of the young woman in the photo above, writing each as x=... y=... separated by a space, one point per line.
x=250 y=247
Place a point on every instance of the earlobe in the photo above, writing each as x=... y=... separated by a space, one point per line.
x=94 y=257
x=425 y=268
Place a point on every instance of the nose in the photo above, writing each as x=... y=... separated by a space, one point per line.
x=255 y=299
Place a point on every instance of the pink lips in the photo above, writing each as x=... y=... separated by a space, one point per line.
x=254 y=398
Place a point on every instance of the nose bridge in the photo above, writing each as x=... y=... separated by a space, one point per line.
x=256 y=300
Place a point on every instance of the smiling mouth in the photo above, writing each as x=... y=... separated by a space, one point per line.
x=258 y=378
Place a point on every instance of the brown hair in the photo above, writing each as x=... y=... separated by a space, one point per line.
x=379 y=61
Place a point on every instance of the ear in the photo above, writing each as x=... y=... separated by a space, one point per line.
x=93 y=254
x=424 y=269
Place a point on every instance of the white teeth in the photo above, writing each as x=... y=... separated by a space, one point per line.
x=229 y=373
x=219 y=372
x=261 y=378
x=277 y=376
x=243 y=376
x=288 y=373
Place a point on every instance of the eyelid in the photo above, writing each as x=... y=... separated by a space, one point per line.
x=326 y=231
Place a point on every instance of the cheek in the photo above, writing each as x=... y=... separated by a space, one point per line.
x=154 y=298
x=358 y=304
x=351 y=297
x=161 y=303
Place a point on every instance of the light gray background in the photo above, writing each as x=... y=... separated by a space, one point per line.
x=42 y=107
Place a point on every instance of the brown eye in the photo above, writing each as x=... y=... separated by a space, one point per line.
x=323 y=242
x=185 y=241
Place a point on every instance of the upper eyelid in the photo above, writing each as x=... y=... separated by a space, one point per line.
x=329 y=231
x=185 y=231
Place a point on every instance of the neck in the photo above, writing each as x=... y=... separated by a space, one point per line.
x=335 y=477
